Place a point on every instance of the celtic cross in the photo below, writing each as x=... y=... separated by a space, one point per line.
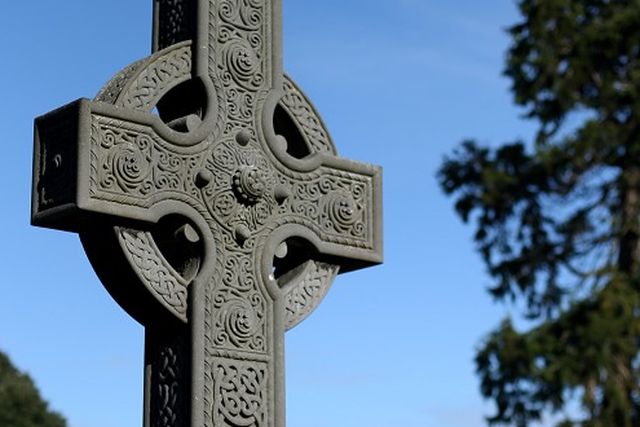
x=211 y=202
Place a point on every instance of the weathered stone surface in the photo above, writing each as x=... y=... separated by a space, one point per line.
x=210 y=199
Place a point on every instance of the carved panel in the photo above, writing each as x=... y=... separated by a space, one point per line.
x=338 y=202
x=239 y=393
x=167 y=354
x=168 y=389
x=175 y=22
x=239 y=308
x=130 y=163
x=239 y=57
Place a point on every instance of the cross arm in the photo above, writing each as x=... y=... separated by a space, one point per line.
x=336 y=208
x=93 y=160
x=343 y=199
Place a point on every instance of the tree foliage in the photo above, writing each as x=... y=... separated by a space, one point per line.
x=558 y=219
x=20 y=401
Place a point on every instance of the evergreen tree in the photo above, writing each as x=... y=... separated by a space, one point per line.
x=20 y=401
x=557 y=220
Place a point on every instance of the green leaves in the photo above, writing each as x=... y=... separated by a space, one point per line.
x=557 y=221
x=537 y=216
x=588 y=351
x=571 y=54
x=20 y=402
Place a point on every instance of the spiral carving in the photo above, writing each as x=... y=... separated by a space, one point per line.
x=130 y=165
x=342 y=208
x=243 y=15
x=244 y=64
x=241 y=320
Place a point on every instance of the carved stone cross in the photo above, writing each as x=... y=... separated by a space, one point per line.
x=211 y=202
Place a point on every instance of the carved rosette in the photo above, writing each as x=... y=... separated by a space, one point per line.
x=242 y=65
x=249 y=184
x=129 y=163
x=241 y=192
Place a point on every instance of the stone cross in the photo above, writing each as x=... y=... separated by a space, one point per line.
x=211 y=202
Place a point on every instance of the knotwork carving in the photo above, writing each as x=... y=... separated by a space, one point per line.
x=154 y=271
x=239 y=393
x=175 y=22
x=167 y=362
x=243 y=14
x=111 y=91
x=168 y=388
x=160 y=73
x=302 y=298
x=296 y=104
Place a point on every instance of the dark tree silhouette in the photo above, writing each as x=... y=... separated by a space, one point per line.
x=20 y=401
x=558 y=220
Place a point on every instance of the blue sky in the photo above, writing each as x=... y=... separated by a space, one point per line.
x=399 y=83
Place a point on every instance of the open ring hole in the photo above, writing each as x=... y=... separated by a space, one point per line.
x=288 y=134
x=290 y=259
x=180 y=244
x=183 y=108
